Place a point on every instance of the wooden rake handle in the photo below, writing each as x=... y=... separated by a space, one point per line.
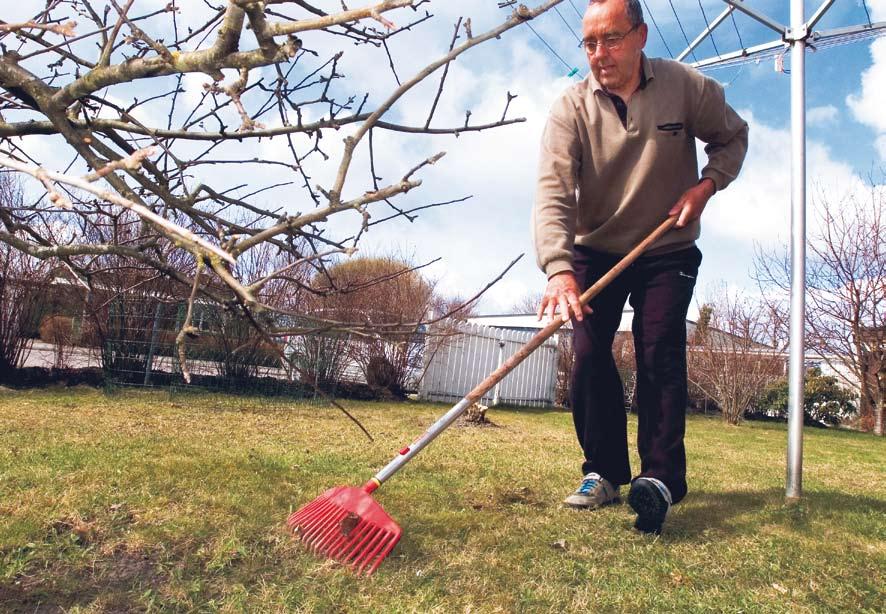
x=511 y=363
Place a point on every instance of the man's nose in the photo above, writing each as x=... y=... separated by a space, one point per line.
x=599 y=50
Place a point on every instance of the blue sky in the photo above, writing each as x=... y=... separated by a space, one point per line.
x=846 y=98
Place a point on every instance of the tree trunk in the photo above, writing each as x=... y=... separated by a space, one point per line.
x=880 y=409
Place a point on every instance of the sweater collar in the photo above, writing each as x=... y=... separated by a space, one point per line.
x=646 y=75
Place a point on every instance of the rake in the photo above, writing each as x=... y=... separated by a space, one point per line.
x=345 y=523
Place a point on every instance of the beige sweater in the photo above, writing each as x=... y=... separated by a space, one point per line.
x=607 y=186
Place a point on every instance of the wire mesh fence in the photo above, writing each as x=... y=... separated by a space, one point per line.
x=226 y=356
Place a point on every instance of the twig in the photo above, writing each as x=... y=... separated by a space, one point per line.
x=131 y=162
x=445 y=72
x=66 y=29
x=187 y=329
x=172 y=228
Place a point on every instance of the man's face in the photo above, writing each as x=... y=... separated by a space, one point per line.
x=607 y=21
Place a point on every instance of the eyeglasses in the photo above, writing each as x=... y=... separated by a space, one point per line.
x=610 y=41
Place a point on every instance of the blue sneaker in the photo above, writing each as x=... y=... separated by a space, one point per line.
x=593 y=492
x=651 y=499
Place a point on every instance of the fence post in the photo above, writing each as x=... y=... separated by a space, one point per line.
x=154 y=332
x=496 y=395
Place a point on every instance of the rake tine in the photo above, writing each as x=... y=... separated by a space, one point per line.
x=307 y=512
x=391 y=543
x=376 y=549
x=359 y=531
x=328 y=524
x=381 y=551
x=368 y=552
x=317 y=514
x=310 y=539
x=358 y=548
x=340 y=540
x=310 y=526
x=328 y=533
x=358 y=534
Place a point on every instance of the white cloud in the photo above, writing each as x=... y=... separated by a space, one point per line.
x=877 y=9
x=867 y=105
x=756 y=206
x=821 y=115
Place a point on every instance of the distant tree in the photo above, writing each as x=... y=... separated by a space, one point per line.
x=240 y=349
x=384 y=293
x=731 y=358
x=23 y=284
x=528 y=303
x=845 y=293
x=125 y=300
x=824 y=399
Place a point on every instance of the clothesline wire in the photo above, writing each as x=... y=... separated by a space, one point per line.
x=657 y=29
x=545 y=43
x=708 y=26
x=737 y=32
x=679 y=23
x=865 y=5
x=566 y=23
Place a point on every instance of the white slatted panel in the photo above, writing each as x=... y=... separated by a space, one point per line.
x=467 y=359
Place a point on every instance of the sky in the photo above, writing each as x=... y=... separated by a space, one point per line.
x=476 y=239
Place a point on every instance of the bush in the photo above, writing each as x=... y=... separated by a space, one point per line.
x=382 y=375
x=824 y=400
x=37 y=377
x=59 y=332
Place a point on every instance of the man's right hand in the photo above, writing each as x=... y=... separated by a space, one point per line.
x=561 y=296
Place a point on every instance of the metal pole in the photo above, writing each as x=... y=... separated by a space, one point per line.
x=798 y=252
x=496 y=394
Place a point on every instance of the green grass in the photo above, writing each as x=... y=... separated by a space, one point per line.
x=142 y=502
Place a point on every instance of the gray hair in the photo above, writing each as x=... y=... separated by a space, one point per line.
x=633 y=8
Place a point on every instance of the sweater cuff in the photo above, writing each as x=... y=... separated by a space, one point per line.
x=557 y=266
x=721 y=180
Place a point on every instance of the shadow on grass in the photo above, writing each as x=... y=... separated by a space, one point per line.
x=113 y=581
x=740 y=512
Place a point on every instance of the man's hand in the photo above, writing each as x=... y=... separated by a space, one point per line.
x=561 y=296
x=691 y=204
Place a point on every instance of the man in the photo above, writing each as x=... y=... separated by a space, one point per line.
x=618 y=157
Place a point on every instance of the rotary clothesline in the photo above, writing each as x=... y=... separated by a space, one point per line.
x=745 y=54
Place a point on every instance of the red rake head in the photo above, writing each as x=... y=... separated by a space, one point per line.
x=346 y=524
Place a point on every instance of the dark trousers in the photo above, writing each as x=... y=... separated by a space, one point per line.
x=660 y=289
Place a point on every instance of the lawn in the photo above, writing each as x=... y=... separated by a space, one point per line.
x=148 y=502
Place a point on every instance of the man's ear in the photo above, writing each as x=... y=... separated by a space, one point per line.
x=643 y=30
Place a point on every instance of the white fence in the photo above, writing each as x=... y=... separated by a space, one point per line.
x=465 y=360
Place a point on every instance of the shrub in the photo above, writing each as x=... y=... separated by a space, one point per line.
x=824 y=400
x=383 y=375
x=58 y=331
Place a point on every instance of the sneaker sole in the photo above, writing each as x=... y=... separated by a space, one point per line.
x=650 y=506
x=579 y=506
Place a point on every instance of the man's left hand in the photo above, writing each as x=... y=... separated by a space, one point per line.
x=691 y=204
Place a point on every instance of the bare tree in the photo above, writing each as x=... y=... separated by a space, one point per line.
x=528 y=303
x=731 y=357
x=23 y=283
x=382 y=292
x=845 y=293
x=114 y=92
